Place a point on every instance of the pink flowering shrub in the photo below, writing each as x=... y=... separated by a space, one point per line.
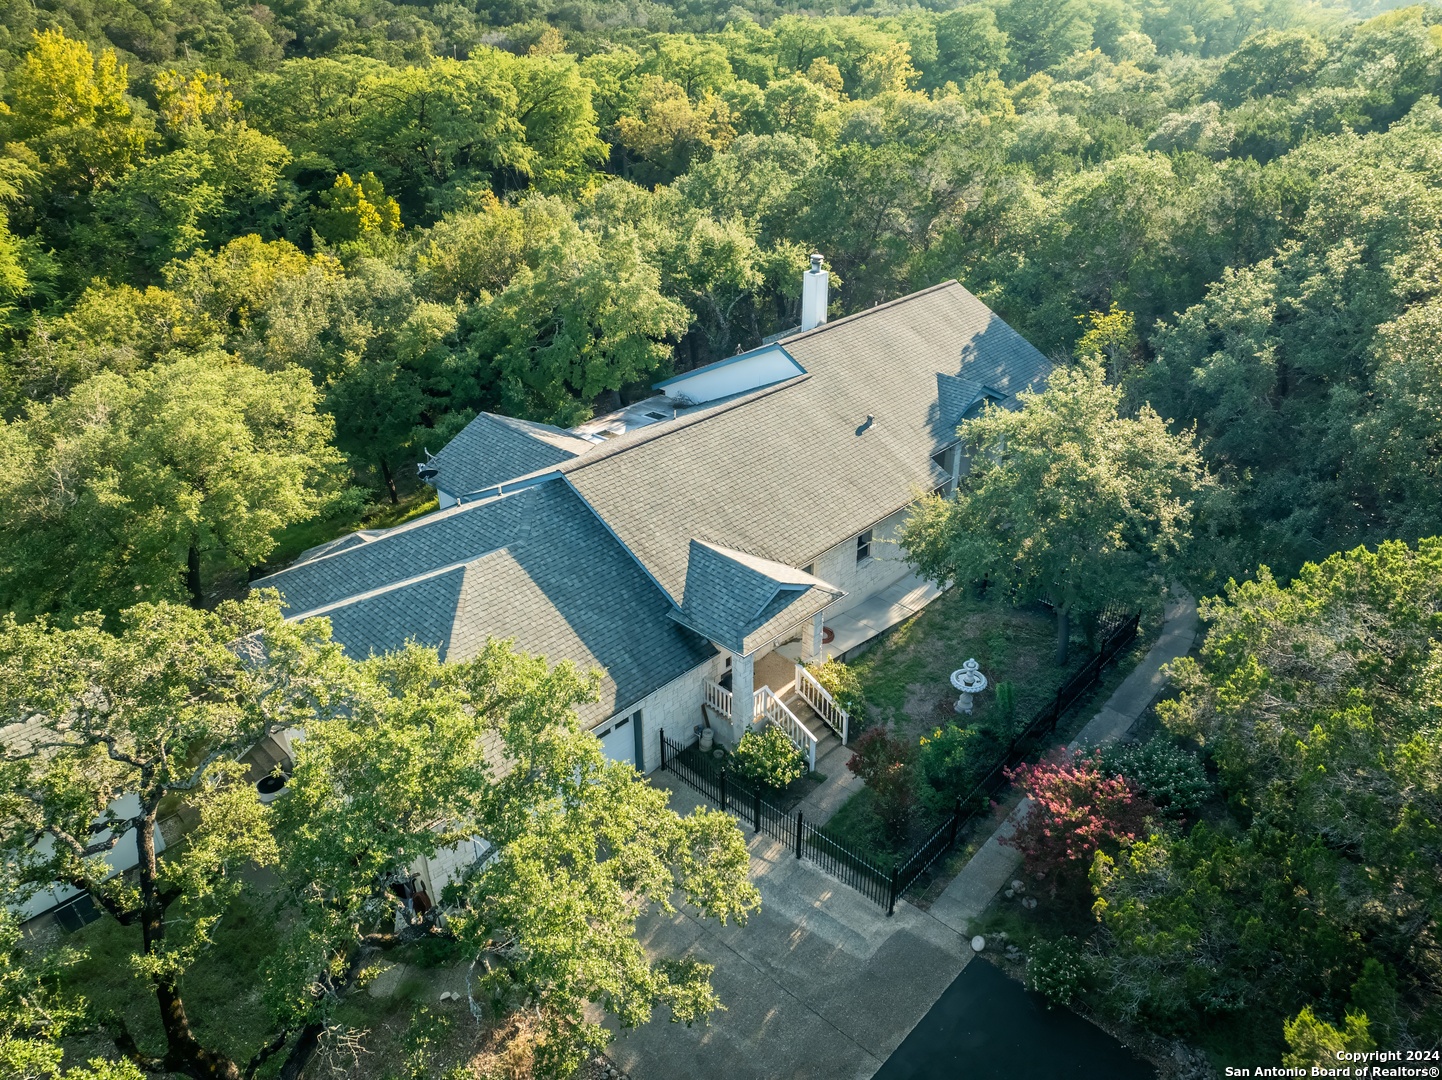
x=1076 y=810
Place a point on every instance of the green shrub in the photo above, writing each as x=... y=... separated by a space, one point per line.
x=1169 y=776
x=768 y=757
x=1006 y=702
x=952 y=759
x=1056 y=970
x=425 y=1036
x=843 y=685
x=438 y=950
x=885 y=764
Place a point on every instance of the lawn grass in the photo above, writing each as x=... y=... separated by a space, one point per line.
x=221 y=991
x=906 y=676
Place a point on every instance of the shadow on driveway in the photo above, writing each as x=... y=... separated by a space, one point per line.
x=987 y=1026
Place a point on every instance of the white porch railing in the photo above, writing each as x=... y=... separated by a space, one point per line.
x=719 y=698
x=770 y=707
x=820 y=699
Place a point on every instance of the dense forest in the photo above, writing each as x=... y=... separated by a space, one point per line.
x=257 y=261
x=380 y=219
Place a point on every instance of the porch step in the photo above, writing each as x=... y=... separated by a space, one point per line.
x=807 y=715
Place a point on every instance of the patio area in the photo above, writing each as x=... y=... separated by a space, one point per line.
x=876 y=614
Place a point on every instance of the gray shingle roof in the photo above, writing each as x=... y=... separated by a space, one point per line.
x=741 y=602
x=492 y=449
x=536 y=566
x=782 y=473
x=740 y=492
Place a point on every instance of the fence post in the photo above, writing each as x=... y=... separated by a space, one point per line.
x=891 y=893
x=662 y=733
x=722 y=784
x=798 y=834
x=756 y=810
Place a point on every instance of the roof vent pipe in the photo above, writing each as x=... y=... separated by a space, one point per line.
x=814 y=284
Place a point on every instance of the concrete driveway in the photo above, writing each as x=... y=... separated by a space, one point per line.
x=818 y=984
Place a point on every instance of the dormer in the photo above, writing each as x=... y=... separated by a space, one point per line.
x=741 y=602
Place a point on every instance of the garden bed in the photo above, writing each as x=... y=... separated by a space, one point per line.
x=783 y=799
x=905 y=681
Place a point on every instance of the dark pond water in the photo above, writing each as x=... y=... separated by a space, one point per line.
x=988 y=1026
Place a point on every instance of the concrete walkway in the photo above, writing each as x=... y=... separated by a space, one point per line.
x=893 y=604
x=818 y=985
x=995 y=864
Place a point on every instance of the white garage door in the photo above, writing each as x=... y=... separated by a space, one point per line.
x=618 y=740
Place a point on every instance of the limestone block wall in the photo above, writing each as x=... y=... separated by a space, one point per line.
x=675 y=707
x=885 y=566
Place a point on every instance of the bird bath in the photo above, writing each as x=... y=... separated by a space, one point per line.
x=970 y=682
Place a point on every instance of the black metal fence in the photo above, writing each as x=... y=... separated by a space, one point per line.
x=727 y=790
x=731 y=793
x=846 y=866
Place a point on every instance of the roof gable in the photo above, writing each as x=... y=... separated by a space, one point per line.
x=730 y=596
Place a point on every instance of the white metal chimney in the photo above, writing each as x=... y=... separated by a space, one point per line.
x=814 y=284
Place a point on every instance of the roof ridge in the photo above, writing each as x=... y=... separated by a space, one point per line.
x=948 y=283
x=522 y=426
x=381 y=590
x=652 y=432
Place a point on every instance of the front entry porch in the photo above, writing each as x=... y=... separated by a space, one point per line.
x=788 y=697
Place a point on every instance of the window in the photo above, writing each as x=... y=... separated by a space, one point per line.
x=863 y=546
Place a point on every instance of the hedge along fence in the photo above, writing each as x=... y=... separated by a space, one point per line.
x=728 y=791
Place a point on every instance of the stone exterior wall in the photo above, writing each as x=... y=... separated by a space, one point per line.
x=676 y=707
x=885 y=566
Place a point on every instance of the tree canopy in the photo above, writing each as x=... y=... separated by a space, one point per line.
x=1064 y=500
x=517 y=210
x=402 y=756
x=114 y=493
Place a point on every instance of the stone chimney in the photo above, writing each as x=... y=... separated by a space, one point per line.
x=814 y=284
